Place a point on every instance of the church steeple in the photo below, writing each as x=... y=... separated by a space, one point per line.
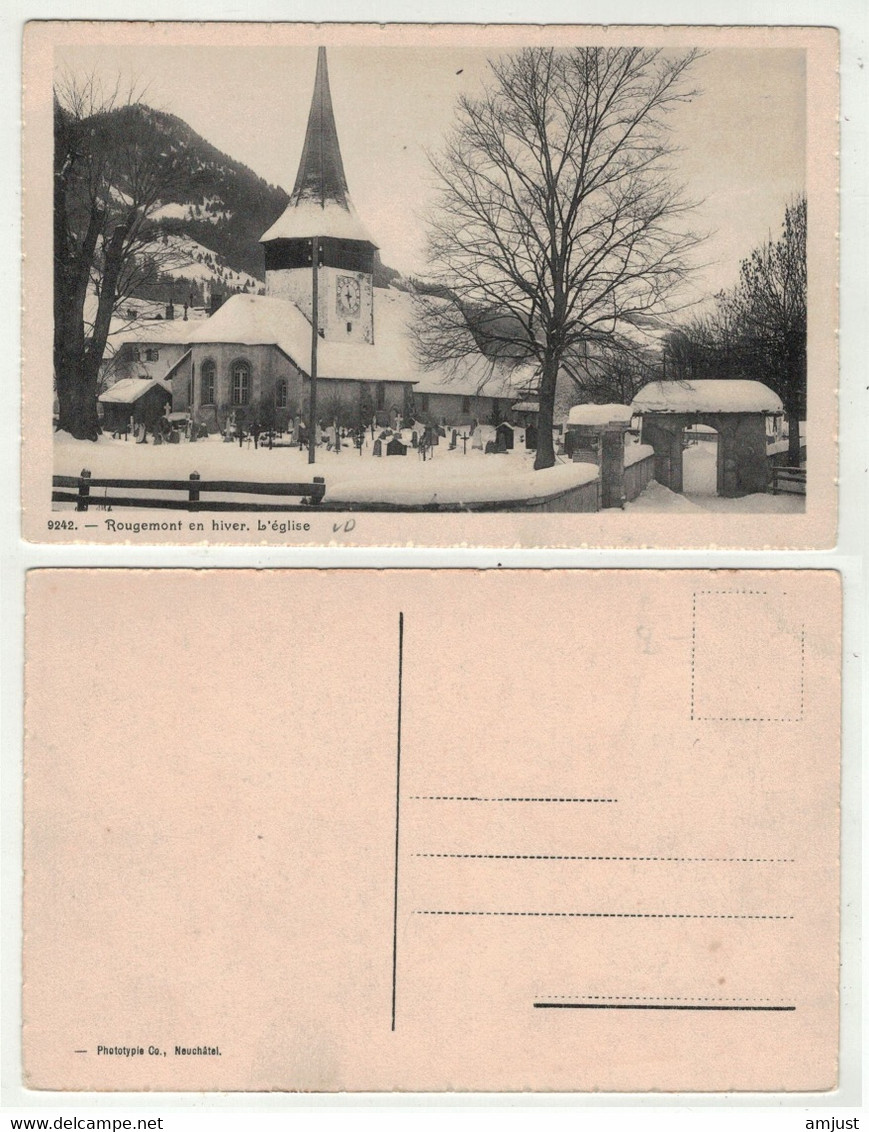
x=320 y=203
x=321 y=213
x=321 y=171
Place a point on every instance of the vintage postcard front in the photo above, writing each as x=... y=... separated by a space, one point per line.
x=431 y=830
x=430 y=285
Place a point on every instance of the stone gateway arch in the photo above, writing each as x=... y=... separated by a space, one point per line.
x=736 y=409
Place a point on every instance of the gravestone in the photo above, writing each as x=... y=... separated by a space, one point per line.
x=531 y=437
x=490 y=448
x=501 y=442
x=454 y=440
x=378 y=447
x=504 y=435
x=396 y=448
x=414 y=439
x=478 y=440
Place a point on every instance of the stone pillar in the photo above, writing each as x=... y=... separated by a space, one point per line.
x=612 y=468
x=742 y=462
x=665 y=436
x=603 y=445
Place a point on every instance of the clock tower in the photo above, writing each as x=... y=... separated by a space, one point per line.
x=320 y=218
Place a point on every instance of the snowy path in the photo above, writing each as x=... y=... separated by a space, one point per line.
x=657 y=498
x=700 y=468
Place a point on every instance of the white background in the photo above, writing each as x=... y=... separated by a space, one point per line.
x=652 y=1112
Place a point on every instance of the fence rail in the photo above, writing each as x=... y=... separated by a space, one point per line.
x=309 y=494
x=783 y=476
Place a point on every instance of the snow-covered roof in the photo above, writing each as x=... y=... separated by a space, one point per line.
x=306 y=218
x=725 y=396
x=168 y=332
x=599 y=414
x=526 y=407
x=130 y=389
x=475 y=376
x=256 y=320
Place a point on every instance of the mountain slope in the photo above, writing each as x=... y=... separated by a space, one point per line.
x=214 y=215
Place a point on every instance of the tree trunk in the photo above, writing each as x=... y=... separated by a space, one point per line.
x=793 y=439
x=77 y=401
x=545 y=448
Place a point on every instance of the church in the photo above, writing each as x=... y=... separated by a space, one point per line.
x=256 y=351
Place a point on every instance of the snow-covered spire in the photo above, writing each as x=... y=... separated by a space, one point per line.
x=320 y=204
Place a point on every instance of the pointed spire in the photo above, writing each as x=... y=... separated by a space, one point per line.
x=321 y=171
x=320 y=204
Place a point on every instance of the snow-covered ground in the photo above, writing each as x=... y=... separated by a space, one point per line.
x=700 y=468
x=657 y=498
x=183 y=257
x=700 y=484
x=448 y=477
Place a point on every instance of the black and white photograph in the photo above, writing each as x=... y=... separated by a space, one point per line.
x=555 y=279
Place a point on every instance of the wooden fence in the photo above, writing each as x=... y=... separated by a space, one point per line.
x=77 y=490
x=788 y=480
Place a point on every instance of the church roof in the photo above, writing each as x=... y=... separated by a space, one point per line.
x=320 y=204
x=474 y=376
x=258 y=320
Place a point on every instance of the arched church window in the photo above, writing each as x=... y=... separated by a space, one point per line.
x=206 y=382
x=281 y=397
x=240 y=383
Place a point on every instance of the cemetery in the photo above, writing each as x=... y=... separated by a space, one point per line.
x=609 y=457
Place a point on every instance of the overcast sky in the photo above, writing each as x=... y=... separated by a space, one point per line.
x=742 y=138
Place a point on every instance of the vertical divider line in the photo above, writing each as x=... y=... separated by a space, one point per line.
x=397 y=816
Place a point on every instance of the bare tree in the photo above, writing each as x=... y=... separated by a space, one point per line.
x=707 y=346
x=769 y=303
x=557 y=216
x=757 y=330
x=613 y=372
x=110 y=176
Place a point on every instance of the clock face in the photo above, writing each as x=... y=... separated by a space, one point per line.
x=349 y=294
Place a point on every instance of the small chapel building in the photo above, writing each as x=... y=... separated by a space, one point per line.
x=255 y=352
